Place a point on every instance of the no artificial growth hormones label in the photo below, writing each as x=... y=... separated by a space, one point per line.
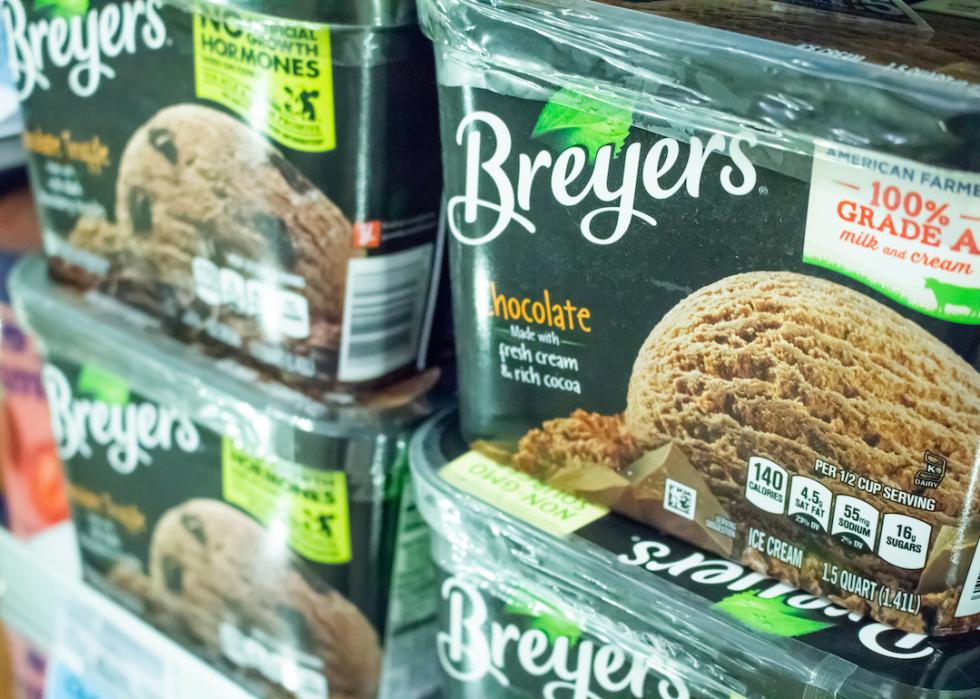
x=310 y=504
x=275 y=74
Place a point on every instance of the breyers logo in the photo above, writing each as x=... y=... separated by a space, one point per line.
x=474 y=648
x=658 y=173
x=129 y=431
x=81 y=43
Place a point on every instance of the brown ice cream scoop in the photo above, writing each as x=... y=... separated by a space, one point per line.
x=197 y=183
x=582 y=437
x=795 y=368
x=212 y=566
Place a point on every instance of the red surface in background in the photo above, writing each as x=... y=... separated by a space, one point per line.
x=32 y=478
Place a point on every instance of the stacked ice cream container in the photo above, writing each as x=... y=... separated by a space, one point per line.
x=714 y=274
x=250 y=523
x=714 y=291
x=239 y=203
x=543 y=594
x=268 y=184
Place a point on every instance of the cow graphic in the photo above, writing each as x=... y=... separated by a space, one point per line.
x=953 y=295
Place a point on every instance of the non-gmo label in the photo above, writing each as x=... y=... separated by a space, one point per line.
x=276 y=75
x=766 y=485
x=520 y=495
x=903 y=228
x=309 y=503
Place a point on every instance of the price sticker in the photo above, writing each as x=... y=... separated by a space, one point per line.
x=907 y=229
x=94 y=658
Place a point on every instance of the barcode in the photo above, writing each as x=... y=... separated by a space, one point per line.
x=384 y=312
x=680 y=499
x=969 y=603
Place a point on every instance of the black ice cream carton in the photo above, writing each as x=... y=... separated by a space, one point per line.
x=717 y=266
x=264 y=532
x=262 y=175
x=543 y=594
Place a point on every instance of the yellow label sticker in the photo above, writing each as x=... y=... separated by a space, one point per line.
x=310 y=504
x=521 y=495
x=276 y=74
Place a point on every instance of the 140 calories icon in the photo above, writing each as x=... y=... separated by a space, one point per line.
x=932 y=475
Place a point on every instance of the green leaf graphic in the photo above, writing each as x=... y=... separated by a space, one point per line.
x=572 y=119
x=544 y=617
x=102 y=385
x=62 y=8
x=770 y=616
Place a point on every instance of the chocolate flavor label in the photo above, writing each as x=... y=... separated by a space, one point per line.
x=906 y=229
x=310 y=504
x=277 y=76
x=521 y=495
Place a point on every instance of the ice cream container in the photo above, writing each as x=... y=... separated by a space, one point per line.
x=716 y=266
x=252 y=525
x=546 y=594
x=264 y=176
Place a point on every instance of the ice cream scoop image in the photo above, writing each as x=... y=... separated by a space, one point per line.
x=202 y=201
x=229 y=584
x=794 y=369
x=864 y=427
x=840 y=395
